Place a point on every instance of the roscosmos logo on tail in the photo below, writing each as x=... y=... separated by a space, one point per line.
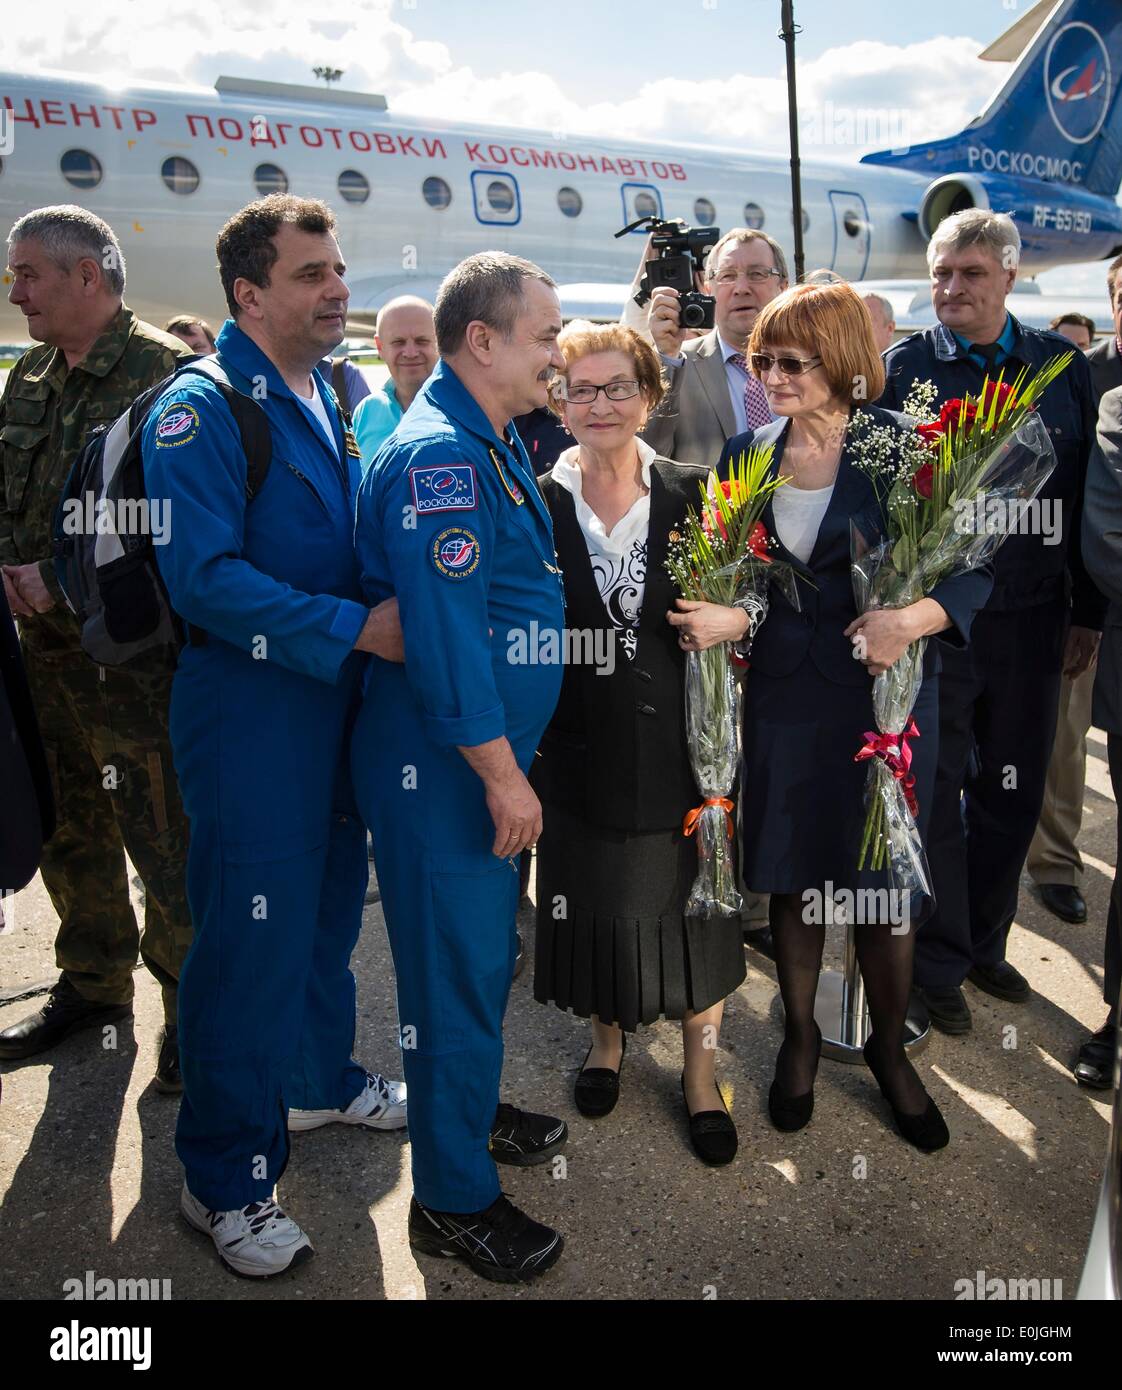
x=1077 y=81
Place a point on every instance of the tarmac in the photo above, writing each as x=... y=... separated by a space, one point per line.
x=845 y=1209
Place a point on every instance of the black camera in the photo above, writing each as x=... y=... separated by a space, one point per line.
x=680 y=252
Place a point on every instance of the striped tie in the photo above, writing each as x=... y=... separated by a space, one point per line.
x=756 y=411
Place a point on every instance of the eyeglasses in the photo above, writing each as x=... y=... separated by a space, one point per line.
x=762 y=363
x=754 y=277
x=586 y=394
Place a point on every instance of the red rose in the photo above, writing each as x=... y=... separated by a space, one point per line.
x=758 y=543
x=923 y=479
x=711 y=511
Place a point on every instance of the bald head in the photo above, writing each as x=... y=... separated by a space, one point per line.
x=406 y=342
x=882 y=318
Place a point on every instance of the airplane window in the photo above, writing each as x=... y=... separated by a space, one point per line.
x=852 y=223
x=270 y=178
x=753 y=216
x=353 y=186
x=645 y=205
x=80 y=168
x=705 y=214
x=179 y=174
x=570 y=202
x=806 y=219
x=436 y=192
x=500 y=196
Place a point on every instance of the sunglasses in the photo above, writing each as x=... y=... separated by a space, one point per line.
x=762 y=363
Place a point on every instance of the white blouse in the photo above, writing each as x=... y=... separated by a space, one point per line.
x=619 y=556
x=798 y=516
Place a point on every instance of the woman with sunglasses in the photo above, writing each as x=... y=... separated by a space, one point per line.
x=613 y=775
x=808 y=697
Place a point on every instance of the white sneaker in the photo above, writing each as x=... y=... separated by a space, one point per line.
x=257 y=1241
x=380 y=1105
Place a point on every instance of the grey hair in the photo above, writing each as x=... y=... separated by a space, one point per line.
x=885 y=307
x=487 y=288
x=68 y=234
x=993 y=231
x=739 y=235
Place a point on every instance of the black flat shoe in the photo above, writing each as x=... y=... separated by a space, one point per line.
x=597 y=1088
x=1002 y=980
x=927 y=1131
x=1064 y=901
x=791 y=1113
x=712 y=1132
x=947 y=1009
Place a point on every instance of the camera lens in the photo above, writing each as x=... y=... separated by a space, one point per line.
x=692 y=315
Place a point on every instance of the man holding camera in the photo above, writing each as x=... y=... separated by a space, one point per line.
x=712 y=395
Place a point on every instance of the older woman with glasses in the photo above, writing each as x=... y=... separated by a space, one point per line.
x=614 y=867
x=808 y=700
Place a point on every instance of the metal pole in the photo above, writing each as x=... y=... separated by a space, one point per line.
x=787 y=34
x=841 y=1012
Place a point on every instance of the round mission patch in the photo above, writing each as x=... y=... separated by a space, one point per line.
x=178 y=424
x=455 y=552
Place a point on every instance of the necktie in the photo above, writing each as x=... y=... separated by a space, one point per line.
x=756 y=410
x=989 y=353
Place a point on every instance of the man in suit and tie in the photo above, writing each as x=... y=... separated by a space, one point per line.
x=1102 y=554
x=712 y=396
x=1104 y=359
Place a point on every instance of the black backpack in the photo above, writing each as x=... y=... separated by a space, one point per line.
x=104 y=554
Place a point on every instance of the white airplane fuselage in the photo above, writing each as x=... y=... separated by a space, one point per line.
x=504 y=185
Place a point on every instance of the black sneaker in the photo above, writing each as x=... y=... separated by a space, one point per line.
x=169 y=1079
x=502 y=1243
x=522 y=1139
x=65 y=1012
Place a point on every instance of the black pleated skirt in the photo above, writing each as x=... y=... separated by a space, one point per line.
x=611 y=936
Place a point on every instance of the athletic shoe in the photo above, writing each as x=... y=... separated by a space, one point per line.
x=501 y=1243
x=523 y=1139
x=257 y=1241
x=380 y=1105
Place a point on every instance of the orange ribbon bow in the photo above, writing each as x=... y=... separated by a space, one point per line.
x=689 y=825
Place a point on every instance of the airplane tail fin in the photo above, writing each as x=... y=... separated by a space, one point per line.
x=1058 y=115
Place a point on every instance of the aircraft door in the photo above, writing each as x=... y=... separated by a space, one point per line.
x=852 y=234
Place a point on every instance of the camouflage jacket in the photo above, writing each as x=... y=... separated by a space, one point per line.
x=46 y=413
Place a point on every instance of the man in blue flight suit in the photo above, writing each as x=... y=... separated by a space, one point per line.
x=450 y=521
x=999 y=698
x=262 y=701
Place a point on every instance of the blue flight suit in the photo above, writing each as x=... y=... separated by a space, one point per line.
x=450 y=519
x=260 y=716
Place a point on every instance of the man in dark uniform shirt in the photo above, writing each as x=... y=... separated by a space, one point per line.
x=998 y=698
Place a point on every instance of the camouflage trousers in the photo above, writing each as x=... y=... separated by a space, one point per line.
x=105 y=730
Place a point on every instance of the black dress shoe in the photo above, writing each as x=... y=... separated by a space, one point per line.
x=169 y=1079
x=64 y=1012
x=712 y=1132
x=1064 y=901
x=948 y=1009
x=792 y=1113
x=523 y=1139
x=1094 y=1067
x=1002 y=981
x=927 y=1131
x=759 y=938
x=597 y=1088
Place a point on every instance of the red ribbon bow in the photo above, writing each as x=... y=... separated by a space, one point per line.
x=689 y=825
x=895 y=751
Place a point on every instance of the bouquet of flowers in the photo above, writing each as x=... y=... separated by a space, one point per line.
x=950 y=492
x=722 y=557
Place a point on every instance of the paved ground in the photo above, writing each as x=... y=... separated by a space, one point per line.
x=89 y=1178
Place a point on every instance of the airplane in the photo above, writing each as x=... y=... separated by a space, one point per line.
x=166 y=165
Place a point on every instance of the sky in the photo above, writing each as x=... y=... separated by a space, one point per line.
x=708 y=71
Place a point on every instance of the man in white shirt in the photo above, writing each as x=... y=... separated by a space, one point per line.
x=406 y=341
x=713 y=396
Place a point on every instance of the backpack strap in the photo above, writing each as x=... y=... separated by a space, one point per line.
x=251 y=420
x=339 y=382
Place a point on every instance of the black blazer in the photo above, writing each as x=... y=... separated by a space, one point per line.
x=615 y=750
x=27 y=808
x=825 y=584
